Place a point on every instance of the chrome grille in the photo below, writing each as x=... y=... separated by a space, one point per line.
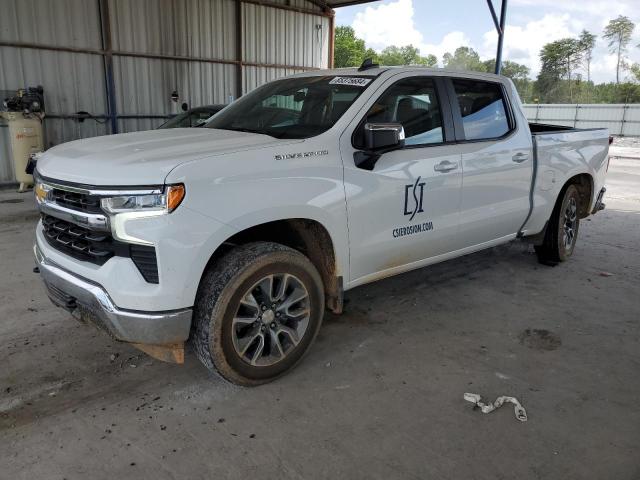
x=76 y=201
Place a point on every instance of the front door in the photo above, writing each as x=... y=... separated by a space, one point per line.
x=406 y=209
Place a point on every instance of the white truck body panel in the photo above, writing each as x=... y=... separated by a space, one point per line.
x=141 y=158
x=561 y=156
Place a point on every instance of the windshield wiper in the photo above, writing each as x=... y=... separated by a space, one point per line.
x=246 y=130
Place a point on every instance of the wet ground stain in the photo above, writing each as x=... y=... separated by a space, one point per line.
x=539 y=339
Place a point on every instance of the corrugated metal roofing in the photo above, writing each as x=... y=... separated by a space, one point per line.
x=285 y=38
x=174 y=27
x=62 y=23
x=345 y=3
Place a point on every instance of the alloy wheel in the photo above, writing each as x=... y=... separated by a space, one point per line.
x=570 y=221
x=271 y=319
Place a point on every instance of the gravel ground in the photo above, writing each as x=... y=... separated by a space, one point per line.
x=379 y=396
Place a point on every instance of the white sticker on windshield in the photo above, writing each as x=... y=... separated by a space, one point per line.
x=355 y=81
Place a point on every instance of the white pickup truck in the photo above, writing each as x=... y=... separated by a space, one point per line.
x=236 y=237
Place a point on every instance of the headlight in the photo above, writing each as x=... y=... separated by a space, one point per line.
x=165 y=202
x=41 y=191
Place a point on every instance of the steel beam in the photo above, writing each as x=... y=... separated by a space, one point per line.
x=105 y=34
x=494 y=16
x=239 y=48
x=282 y=6
x=332 y=37
x=157 y=56
x=503 y=18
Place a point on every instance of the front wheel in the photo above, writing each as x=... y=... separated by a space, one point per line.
x=258 y=310
x=562 y=230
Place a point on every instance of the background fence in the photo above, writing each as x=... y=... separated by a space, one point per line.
x=620 y=119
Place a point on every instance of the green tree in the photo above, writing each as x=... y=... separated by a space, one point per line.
x=349 y=51
x=625 y=92
x=407 y=55
x=513 y=70
x=559 y=60
x=635 y=70
x=431 y=60
x=618 y=33
x=464 y=58
x=587 y=41
x=518 y=73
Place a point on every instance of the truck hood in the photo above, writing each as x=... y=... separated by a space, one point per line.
x=141 y=158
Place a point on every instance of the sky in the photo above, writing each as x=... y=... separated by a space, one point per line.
x=437 y=27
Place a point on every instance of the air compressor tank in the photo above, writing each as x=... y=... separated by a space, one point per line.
x=25 y=138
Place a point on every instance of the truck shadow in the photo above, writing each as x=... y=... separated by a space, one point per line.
x=423 y=283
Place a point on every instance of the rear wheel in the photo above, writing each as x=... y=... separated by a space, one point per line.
x=562 y=230
x=258 y=311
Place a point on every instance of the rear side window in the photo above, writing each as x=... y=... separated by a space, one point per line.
x=483 y=109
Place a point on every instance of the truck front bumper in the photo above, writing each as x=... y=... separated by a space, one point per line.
x=89 y=301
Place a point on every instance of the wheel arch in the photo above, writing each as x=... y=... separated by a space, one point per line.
x=309 y=237
x=584 y=183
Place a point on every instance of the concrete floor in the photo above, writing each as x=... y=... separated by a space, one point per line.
x=380 y=394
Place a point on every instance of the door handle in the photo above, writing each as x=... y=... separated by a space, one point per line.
x=520 y=157
x=445 y=166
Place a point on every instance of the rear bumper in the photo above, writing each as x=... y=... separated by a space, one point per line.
x=599 y=204
x=90 y=301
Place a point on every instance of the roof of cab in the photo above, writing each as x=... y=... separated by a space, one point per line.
x=376 y=71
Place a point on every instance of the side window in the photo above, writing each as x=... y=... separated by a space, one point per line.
x=483 y=109
x=413 y=103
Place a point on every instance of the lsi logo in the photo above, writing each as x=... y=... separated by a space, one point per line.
x=417 y=193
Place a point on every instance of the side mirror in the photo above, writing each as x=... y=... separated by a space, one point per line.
x=383 y=136
x=379 y=138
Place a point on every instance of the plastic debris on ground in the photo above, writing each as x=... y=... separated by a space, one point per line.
x=520 y=412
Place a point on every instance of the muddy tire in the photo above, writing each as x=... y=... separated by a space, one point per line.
x=257 y=312
x=562 y=230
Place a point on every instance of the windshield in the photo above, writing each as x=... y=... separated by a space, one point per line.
x=292 y=108
x=192 y=118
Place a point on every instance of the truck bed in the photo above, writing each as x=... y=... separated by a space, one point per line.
x=559 y=153
x=542 y=128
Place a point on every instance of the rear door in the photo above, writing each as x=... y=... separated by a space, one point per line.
x=497 y=161
x=406 y=209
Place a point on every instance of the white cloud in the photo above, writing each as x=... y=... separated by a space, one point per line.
x=600 y=8
x=604 y=66
x=385 y=25
x=449 y=43
x=393 y=24
x=522 y=44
